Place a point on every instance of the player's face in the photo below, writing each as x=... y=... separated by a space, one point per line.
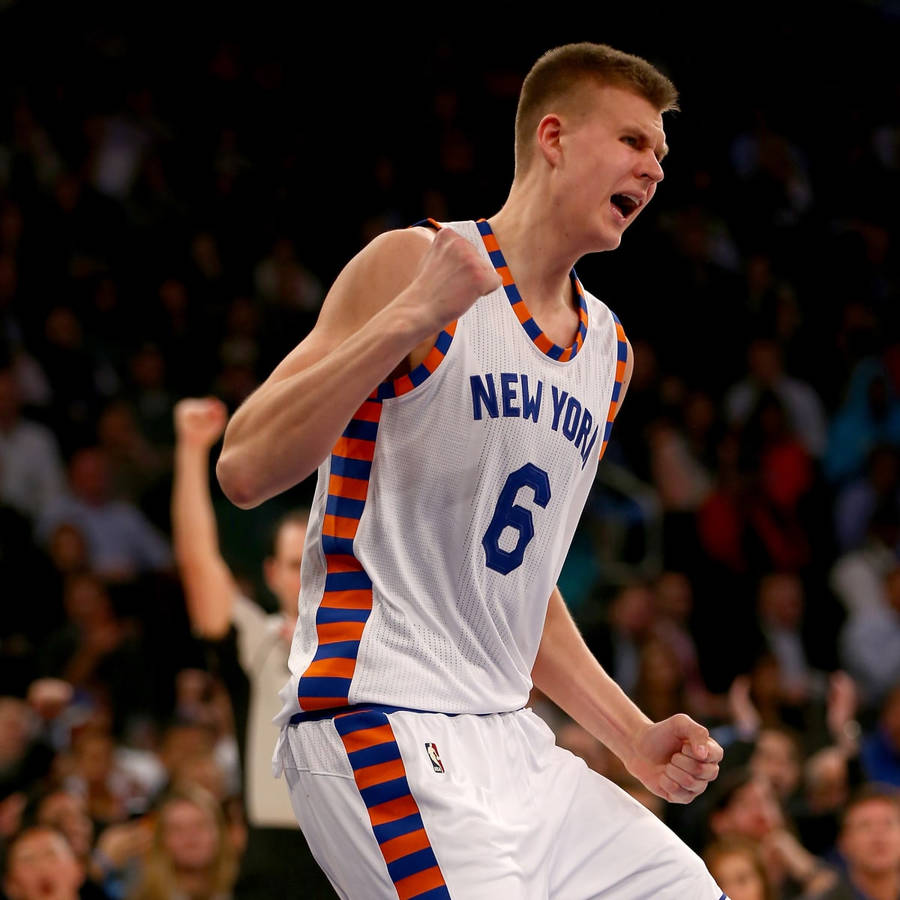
x=612 y=162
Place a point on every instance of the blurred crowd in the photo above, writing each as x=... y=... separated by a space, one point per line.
x=169 y=231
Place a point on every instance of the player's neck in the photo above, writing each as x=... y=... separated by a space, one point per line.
x=537 y=254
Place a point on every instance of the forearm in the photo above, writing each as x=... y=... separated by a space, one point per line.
x=207 y=582
x=567 y=672
x=289 y=425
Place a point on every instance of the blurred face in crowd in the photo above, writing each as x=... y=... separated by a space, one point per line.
x=870 y=837
x=775 y=759
x=42 y=866
x=738 y=876
x=781 y=600
x=189 y=836
x=67 y=812
x=88 y=476
x=752 y=812
x=283 y=569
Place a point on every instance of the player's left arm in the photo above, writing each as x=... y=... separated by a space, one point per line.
x=675 y=758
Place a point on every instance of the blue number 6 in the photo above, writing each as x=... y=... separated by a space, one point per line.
x=509 y=515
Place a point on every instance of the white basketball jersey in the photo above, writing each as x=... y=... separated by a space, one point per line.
x=443 y=515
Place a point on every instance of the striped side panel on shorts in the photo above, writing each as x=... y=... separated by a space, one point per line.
x=621 y=361
x=347 y=597
x=396 y=822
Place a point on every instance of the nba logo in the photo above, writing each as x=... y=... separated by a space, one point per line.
x=436 y=763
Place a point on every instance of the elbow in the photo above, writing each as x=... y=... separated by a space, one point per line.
x=237 y=486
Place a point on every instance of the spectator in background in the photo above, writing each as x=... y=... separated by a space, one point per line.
x=122 y=543
x=881 y=749
x=736 y=865
x=868 y=416
x=870 y=643
x=191 y=855
x=803 y=407
x=40 y=864
x=276 y=850
x=31 y=472
x=870 y=845
x=858 y=500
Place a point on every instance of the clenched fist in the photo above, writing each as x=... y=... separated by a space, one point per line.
x=200 y=421
x=451 y=277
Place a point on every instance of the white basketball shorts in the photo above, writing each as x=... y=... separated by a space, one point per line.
x=405 y=804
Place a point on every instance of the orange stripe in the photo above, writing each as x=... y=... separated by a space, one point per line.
x=490 y=242
x=403 y=385
x=413 y=885
x=353 y=488
x=620 y=369
x=370 y=411
x=359 y=599
x=521 y=311
x=338 y=526
x=404 y=845
x=354 y=448
x=451 y=328
x=433 y=360
x=333 y=632
x=505 y=275
x=378 y=774
x=612 y=411
x=310 y=704
x=342 y=562
x=542 y=342
x=393 y=810
x=331 y=668
x=368 y=737
x=566 y=355
x=582 y=314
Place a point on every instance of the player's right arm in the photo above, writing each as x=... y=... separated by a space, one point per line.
x=386 y=306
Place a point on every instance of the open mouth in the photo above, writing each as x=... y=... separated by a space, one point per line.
x=625 y=204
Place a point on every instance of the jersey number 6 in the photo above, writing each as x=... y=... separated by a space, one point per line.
x=510 y=515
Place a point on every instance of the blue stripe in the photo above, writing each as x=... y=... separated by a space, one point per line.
x=532 y=328
x=617 y=389
x=370 y=718
x=337 y=545
x=386 y=390
x=323 y=687
x=623 y=351
x=383 y=793
x=418 y=375
x=555 y=352
x=513 y=293
x=373 y=756
x=607 y=431
x=350 y=468
x=441 y=893
x=443 y=341
x=347 y=581
x=398 y=828
x=484 y=227
x=496 y=258
x=360 y=429
x=412 y=863
x=338 y=650
x=582 y=330
x=328 y=615
x=345 y=507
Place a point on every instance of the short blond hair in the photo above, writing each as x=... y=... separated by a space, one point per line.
x=560 y=70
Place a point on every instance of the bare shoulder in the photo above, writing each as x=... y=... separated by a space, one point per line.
x=372 y=278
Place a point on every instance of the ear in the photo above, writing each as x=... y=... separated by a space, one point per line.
x=549 y=132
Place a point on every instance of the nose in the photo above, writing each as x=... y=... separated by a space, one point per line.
x=650 y=167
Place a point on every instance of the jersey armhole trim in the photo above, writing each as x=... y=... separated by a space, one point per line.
x=621 y=364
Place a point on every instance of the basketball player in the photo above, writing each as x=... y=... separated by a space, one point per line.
x=456 y=396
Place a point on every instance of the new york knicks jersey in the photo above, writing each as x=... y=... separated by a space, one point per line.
x=442 y=518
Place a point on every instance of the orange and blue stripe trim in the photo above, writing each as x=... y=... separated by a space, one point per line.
x=517 y=302
x=621 y=362
x=396 y=821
